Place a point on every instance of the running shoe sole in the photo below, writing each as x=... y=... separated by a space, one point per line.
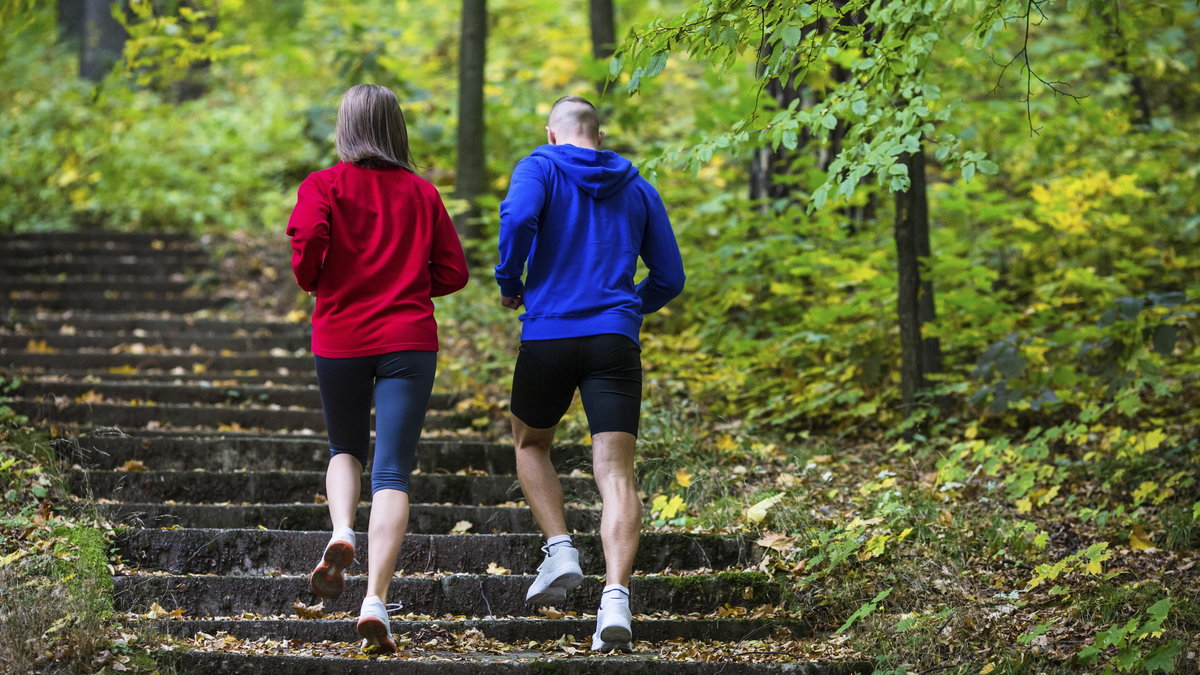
x=327 y=580
x=556 y=592
x=375 y=636
x=618 y=633
x=599 y=645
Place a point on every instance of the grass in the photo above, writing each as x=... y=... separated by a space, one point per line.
x=57 y=612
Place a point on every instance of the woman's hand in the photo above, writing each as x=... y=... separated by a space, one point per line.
x=512 y=303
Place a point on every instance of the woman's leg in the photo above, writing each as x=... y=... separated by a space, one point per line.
x=404 y=381
x=346 y=389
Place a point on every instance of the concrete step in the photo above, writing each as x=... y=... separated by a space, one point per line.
x=169 y=259
x=184 y=453
x=514 y=630
x=123 y=284
x=287 y=487
x=159 y=376
x=422 y=518
x=85 y=238
x=476 y=595
x=207 y=363
x=190 y=393
x=125 y=342
x=258 y=552
x=133 y=302
x=176 y=415
x=508 y=663
x=154 y=326
x=83 y=265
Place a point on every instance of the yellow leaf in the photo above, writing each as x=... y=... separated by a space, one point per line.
x=297 y=315
x=987 y=669
x=132 y=465
x=1153 y=439
x=758 y=512
x=726 y=443
x=199 y=368
x=39 y=347
x=123 y=370
x=666 y=508
x=90 y=396
x=683 y=478
x=12 y=557
x=461 y=527
x=1139 y=540
x=493 y=568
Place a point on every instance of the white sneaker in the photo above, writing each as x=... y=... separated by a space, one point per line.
x=557 y=574
x=375 y=626
x=327 y=580
x=614 y=621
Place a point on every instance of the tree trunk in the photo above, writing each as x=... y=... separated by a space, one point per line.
x=70 y=20
x=914 y=302
x=195 y=84
x=766 y=163
x=470 y=170
x=604 y=34
x=103 y=40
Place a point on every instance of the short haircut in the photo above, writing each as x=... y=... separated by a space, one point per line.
x=370 y=129
x=574 y=115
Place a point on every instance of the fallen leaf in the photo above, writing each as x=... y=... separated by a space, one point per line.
x=309 y=611
x=758 y=512
x=551 y=613
x=776 y=541
x=683 y=477
x=461 y=527
x=1139 y=540
x=493 y=568
x=132 y=465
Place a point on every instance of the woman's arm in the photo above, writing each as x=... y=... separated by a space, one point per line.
x=309 y=229
x=447 y=264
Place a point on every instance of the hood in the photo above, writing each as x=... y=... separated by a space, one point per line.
x=600 y=173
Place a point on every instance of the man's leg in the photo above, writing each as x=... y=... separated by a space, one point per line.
x=621 y=519
x=539 y=481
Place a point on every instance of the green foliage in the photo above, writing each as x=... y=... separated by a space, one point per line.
x=1126 y=640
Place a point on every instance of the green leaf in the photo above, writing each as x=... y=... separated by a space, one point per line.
x=1163 y=657
x=657 y=63
x=968 y=172
x=864 y=610
x=790 y=35
x=859 y=107
x=615 y=65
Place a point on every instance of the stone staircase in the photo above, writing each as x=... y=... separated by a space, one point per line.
x=202 y=434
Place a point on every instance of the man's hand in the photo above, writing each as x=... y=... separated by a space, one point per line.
x=512 y=303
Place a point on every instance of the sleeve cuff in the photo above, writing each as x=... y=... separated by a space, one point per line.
x=510 y=288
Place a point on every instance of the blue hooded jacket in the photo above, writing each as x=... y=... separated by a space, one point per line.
x=581 y=218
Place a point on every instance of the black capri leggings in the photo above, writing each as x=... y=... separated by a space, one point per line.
x=607 y=369
x=400 y=384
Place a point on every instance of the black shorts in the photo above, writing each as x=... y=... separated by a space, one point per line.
x=607 y=370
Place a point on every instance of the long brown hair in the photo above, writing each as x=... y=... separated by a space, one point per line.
x=370 y=129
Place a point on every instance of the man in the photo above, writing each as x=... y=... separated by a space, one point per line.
x=581 y=217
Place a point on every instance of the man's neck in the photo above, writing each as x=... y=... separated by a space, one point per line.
x=580 y=143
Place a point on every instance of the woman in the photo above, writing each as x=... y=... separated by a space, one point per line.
x=373 y=242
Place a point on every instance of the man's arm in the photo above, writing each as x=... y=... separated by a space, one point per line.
x=660 y=252
x=519 y=214
x=309 y=229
